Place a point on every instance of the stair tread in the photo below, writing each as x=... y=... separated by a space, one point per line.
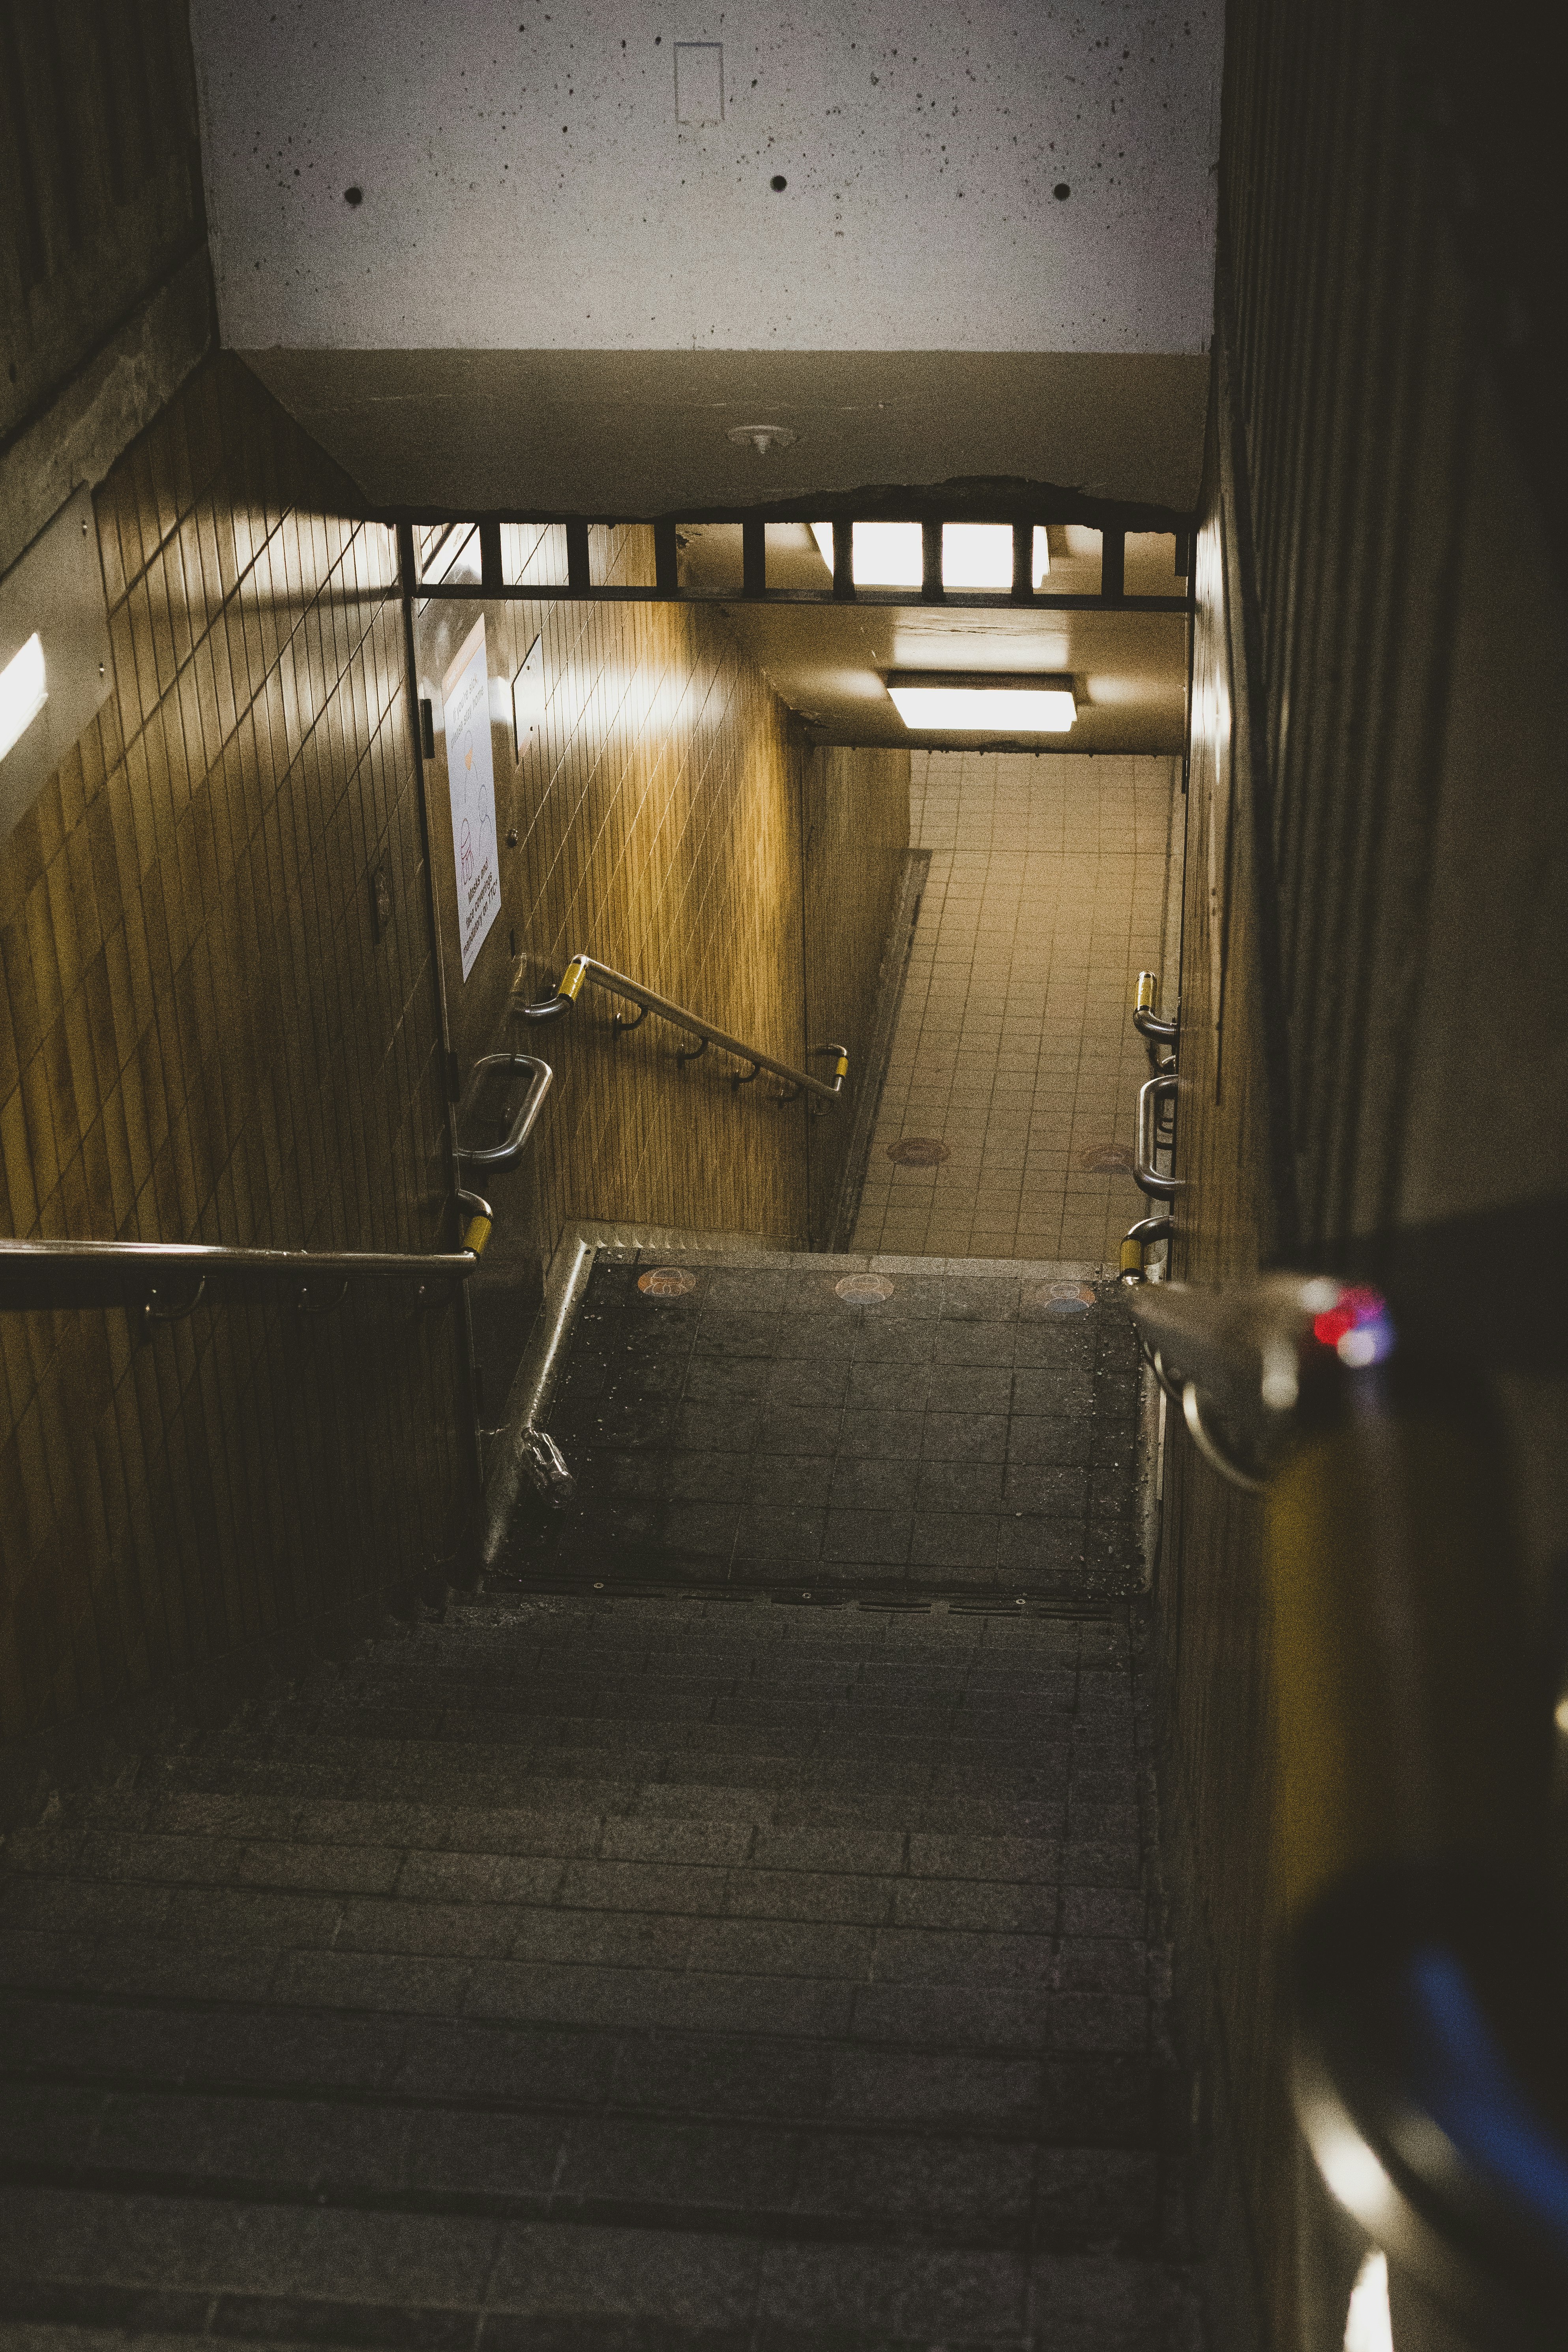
x=731 y=1994
x=340 y=2264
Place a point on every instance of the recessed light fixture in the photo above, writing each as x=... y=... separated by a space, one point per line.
x=23 y=692
x=974 y=554
x=762 y=437
x=982 y=702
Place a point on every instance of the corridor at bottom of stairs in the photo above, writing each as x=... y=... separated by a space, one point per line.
x=614 y=1972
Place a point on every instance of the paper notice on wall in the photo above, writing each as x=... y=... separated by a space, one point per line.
x=465 y=696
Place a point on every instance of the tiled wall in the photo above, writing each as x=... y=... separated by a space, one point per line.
x=203 y=1037
x=857 y=827
x=668 y=822
x=209 y=1034
x=1014 y=1050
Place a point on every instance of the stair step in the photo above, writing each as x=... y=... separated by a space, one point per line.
x=821 y=2180
x=263 y=1799
x=997 y=2014
x=348 y=1875
x=1069 y=2100
x=189 y=2266
x=620 y=1976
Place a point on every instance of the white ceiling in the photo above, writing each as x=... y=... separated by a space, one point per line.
x=527 y=184
x=556 y=297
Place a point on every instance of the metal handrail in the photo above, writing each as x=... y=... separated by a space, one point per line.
x=1147 y=1233
x=39 y=1267
x=1413 y=1766
x=586 y=967
x=1146 y=1017
x=507 y=1153
x=1145 y=1175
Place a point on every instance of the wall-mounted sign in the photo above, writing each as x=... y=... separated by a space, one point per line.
x=471 y=781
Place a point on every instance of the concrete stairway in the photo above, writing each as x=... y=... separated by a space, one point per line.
x=610 y=1973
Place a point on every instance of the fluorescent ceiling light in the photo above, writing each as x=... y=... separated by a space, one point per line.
x=971 y=702
x=979 y=555
x=23 y=692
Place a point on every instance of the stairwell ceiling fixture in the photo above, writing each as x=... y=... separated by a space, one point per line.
x=762 y=437
x=23 y=692
x=974 y=554
x=981 y=702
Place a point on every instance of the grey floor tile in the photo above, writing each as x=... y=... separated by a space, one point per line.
x=866 y=1539
x=959 y=1540
x=905 y=2294
x=874 y=1482
x=910 y=1343
x=958 y=1346
x=705 y=1477
x=883 y=1433
x=799 y=1380
x=946 y=1484
x=950 y=1435
x=573 y=2277
x=799 y=1429
x=775 y=1538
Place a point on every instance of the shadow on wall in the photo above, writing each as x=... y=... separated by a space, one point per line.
x=206 y=1036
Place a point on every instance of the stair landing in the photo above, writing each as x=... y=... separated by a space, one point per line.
x=872 y=1426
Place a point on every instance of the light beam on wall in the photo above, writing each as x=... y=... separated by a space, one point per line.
x=23 y=692
x=977 y=702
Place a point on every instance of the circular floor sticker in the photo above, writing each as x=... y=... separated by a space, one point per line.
x=863 y=1289
x=666 y=1281
x=1064 y=1298
x=918 y=1151
x=1107 y=1160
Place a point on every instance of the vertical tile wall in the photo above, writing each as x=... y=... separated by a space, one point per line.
x=857 y=838
x=204 y=1037
x=669 y=820
x=207 y=1035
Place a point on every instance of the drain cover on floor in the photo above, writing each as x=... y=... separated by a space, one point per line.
x=666 y=1281
x=1107 y=1160
x=918 y=1151
x=1062 y=1297
x=858 y=1289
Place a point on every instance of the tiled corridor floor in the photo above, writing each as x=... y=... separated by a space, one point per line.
x=1015 y=1052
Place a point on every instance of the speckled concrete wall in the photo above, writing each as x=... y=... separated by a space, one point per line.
x=484 y=262
x=527 y=182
